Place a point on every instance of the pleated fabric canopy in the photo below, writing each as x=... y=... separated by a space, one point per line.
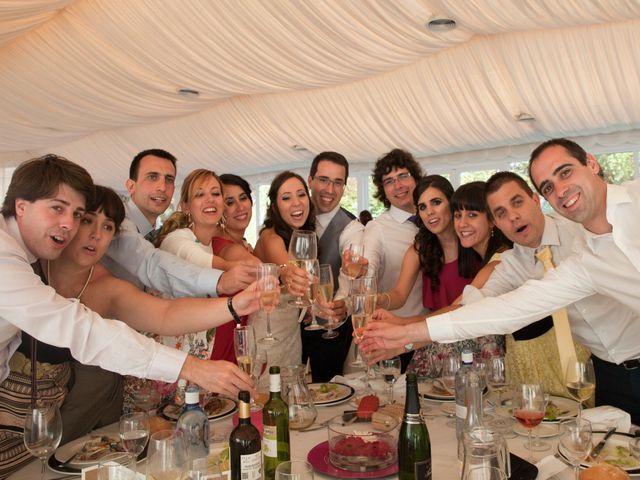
x=278 y=81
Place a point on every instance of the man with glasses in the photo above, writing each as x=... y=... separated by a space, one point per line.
x=336 y=229
x=387 y=237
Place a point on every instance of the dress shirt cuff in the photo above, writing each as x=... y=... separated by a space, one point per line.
x=441 y=328
x=207 y=285
x=470 y=294
x=167 y=364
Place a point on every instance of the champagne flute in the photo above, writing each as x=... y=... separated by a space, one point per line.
x=575 y=442
x=361 y=285
x=134 y=434
x=246 y=350
x=324 y=295
x=529 y=403
x=580 y=379
x=268 y=286
x=353 y=261
x=363 y=305
x=390 y=371
x=168 y=458
x=42 y=431
x=314 y=272
x=303 y=247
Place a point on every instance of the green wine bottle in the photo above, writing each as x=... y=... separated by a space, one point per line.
x=414 y=446
x=275 y=418
x=244 y=444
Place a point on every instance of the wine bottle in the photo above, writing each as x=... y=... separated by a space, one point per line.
x=414 y=446
x=194 y=424
x=275 y=418
x=244 y=444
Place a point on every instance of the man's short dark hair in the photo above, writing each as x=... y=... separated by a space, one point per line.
x=333 y=157
x=396 y=158
x=572 y=148
x=134 y=168
x=498 y=179
x=41 y=177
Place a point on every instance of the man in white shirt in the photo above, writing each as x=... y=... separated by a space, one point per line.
x=40 y=215
x=336 y=229
x=606 y=261
x=151 y=185
x=387 y=237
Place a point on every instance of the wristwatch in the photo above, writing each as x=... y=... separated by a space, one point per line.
x=408 y=347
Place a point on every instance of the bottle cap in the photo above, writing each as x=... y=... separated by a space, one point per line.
x=467 y=357
x=182 y=383
x=274 y=369
x=244 y=396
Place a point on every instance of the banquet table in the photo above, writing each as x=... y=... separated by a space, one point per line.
x=443 y=444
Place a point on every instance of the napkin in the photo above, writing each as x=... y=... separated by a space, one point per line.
x=605 y=415
x=549 y=466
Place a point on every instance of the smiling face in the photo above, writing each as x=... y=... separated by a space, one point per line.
x=48 y=225
x=473 y=229
x=517 y=214
x=153 y=189
x=237 y=208
x=92 y=240
x=293 y=203
x=574 y=190
x=327 y=186
x=434 y=210
x=398 y=186
x=205 y=202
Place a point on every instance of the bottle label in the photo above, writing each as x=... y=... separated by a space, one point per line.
x=422 y=470
x=270 y=441
x=461 y=411
x=251 y=466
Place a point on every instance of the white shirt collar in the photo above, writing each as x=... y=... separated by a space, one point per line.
x=14 y=231
x=138 y=218
x=399 y=215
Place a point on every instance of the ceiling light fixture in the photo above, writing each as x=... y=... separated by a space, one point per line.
x=189 y=92
x=524 y=117
x=441 y=24
x=299 y=148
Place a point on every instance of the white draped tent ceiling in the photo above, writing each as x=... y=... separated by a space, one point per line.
x=281 y=80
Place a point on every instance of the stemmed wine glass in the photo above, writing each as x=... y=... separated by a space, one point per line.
x=367 y=285
x=313 y=268
x=42 y=431
x=575 y=441
x=450 y=365
x=529 y=403
x=168 y=457
x=251 y=361
x=390 y=371
x=268 y=286
x=134 y=434
x=580 y=379
x=303 y=247
x=353 y=265
x=497 y=381
x=322 y=297
x=363 y=306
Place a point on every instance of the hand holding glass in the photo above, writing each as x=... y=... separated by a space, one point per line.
x=303 y=247
x=353 y=262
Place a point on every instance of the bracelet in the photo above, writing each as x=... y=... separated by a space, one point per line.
x=232 y=311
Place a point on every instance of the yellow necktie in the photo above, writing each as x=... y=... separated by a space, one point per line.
x=566 y=348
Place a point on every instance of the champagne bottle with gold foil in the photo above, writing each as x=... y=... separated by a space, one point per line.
x=244 y=444
x=414 y=446
x=275 y=418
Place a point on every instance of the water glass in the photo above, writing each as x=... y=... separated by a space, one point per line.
x=294 y=470
x=575 y=442
x=42 y=431
x=390 y=371
x=168 y=457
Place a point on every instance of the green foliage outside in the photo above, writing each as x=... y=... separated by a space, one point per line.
x=617 y=167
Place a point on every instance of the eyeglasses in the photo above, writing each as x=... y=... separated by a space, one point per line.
x=401 y=177
x=326 y=181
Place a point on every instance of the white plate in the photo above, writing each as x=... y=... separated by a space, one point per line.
x=426 y=390
x=567 y=407
x=609 y=452
x=72 y=448
x=330 y=393
x=227 y=408
x=544 y=430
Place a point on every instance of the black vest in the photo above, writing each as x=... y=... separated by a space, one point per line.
x=329 y=243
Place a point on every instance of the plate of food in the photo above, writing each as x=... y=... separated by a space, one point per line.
x=560 y=408
x=330 y=393
x=615 y=452
x=88 y=450
x=216 y=407
x=436 y=390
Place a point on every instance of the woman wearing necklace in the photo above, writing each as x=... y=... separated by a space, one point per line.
x=78 y=274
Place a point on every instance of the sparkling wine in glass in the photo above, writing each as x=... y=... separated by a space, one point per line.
x=303 y=247
x=313 y=268
x=42 y=431
x=390 y=371
x=529 y=403
x=268 y=287
x=360 y=286
x=363 y=305
x=580 y=379
x=575 y=441
x=134 y=434
x=353 y=261
x=251 y=360
x=323 y=295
